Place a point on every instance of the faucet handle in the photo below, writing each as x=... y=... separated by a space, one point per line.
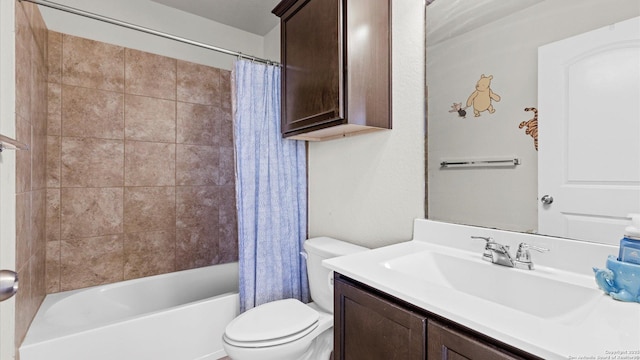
x=488 y=239
x=523 y=256
x=488 y=254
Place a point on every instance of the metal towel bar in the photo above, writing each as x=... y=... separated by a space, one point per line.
x=480 y=163
x=11 y=144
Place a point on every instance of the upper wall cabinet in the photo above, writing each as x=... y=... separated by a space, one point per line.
x=336 y=58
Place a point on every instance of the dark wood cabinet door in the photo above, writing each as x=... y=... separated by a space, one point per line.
x=445 y=343
x=312 y=56
x=370 y=327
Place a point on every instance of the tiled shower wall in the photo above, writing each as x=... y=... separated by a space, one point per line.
x=31 y=114
x=140 y=168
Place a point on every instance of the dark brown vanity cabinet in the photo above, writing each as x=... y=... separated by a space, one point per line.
x=372 y=325
x=336 y=75
x=367 y=326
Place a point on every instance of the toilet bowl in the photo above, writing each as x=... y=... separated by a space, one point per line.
x=289 y=329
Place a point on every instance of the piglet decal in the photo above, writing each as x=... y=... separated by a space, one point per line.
x=481 y=98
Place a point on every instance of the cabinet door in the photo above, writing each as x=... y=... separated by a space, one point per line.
x=370 y=327
x=312 y=54
x=445 y=343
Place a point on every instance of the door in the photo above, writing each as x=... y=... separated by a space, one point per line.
x=589 y=133
x=7 y=172
x=367 y=326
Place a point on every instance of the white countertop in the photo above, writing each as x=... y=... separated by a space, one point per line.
x=600 y=328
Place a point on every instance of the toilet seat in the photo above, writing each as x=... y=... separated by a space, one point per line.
x=275 y=323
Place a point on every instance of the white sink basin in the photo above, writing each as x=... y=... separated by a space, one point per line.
x=522 y=290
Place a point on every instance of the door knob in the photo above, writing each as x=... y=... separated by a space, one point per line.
x=8 y=284
x=546 y=200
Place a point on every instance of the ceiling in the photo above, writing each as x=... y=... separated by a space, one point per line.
x=253 y=16
x=447 y=18
x=450 y=18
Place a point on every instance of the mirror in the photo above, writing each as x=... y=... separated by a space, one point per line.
x=494 y=44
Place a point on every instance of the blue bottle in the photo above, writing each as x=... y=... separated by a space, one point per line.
x=630 y=243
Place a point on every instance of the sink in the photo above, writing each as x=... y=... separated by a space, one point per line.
x=522 y=290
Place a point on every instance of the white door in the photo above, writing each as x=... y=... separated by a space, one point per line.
x=7 y=172
x=589 y=133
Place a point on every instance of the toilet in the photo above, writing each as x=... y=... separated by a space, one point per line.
x=289 y=329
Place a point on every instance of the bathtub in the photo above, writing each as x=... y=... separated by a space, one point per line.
x=176 y=316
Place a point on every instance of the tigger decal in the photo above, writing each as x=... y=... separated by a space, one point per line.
x=532 y=126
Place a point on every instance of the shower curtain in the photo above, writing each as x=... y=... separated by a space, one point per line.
x=271 y=191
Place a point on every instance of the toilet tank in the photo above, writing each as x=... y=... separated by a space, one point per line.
x=321 y=278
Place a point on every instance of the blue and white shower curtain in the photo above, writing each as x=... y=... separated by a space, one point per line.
x=271 y=191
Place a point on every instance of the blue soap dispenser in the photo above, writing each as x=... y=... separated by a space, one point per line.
x=630 y=244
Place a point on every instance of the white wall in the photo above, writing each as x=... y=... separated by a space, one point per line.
x=368 y=189
x=158 y=17
x=506 y=49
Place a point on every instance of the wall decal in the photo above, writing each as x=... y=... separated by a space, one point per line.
x=482 y=96
x=532 y=126
x=457 y=107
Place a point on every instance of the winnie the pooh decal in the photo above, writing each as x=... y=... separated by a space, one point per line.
x=481 y=98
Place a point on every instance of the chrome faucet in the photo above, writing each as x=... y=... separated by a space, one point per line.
x=499 y=254
x=496 y=253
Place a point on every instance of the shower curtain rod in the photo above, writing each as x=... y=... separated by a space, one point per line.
x=148 y=31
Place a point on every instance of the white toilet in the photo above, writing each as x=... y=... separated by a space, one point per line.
x=289 y=329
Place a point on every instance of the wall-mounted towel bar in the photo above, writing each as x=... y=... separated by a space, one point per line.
x=10 y=144
x=480 y=163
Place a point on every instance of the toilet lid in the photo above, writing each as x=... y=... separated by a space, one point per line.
x=274 y=320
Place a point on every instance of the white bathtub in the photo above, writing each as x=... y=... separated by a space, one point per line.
x=176 y=316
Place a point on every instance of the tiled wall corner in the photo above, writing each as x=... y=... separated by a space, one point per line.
x=31 y=193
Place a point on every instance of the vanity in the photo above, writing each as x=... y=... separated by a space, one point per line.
x=434 y=297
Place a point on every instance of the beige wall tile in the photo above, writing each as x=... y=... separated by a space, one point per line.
x=198 y=84
x=53 y=215
x=53 y=161
x=38 y=220
x=197 y=165
x=38 y=92
x=24 y=38
x=91 y=261
x=196 y=206
x=150 y=119
x=149 y=253
x=150 y=74
x=53 y=267
x=228 y=224
x=38 y=152
x=149 y=208
x=39 y=29
x=196 y=247
x=92 y=64
x=54 y=57
x=198 y=124
x=87 y=212
x=227 y=166
x=89 y=162
x=226 y=129
x=24 y=243
x=23 y=158
x=149 y=164
x=225 y=90
x=92 y=113
x=54 y=109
